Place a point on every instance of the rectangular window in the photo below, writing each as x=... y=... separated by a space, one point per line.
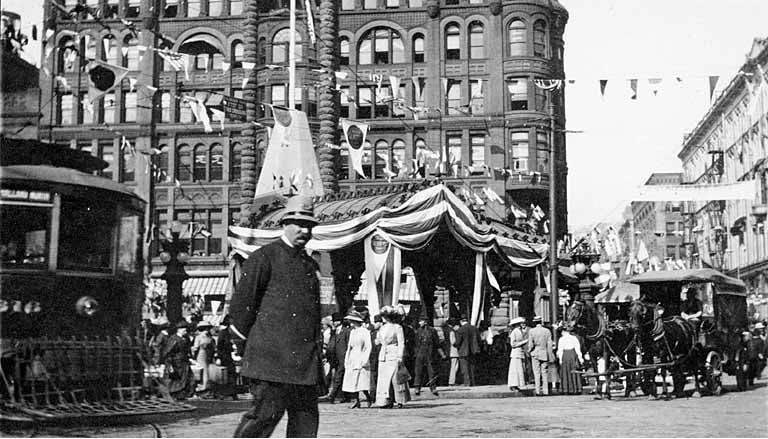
x=518 y=94
x=344 y=101
x=452 y=46
x=415 y=3
x=279 y=95
x=165 y=106
x=477 y=98
x=214 y=8
x=381 y=47
x=477 y=150
x=109 y=107
x=129 y=107
x=671 y=227
x=451 y=2
x=343 y=164
x=128 y=170
x=24 y=235
x=541 y=99
x=418 y=92
x=112 y=9
x=347 y=5
x=133 y=8
x=518 y=151
x=193 y=8
x=364 y=103
x=453 y=97
x=542 y=152
x=383 y=102
x=85 y=218
x=393 y=3
x=86 y=110
x=235 y=7
x=672 y=251
x=453 y=153
x=106 y=153
x=66 y=109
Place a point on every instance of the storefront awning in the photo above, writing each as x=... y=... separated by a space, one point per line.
x=619 y=293
x=196 y=286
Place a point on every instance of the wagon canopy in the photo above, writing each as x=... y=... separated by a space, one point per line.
x=408 y=226
x=726 y=284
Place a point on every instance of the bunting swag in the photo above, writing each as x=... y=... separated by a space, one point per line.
x=477 y=292
x=409 y=227
x=102 y=78
x=742 y=190
x=354 y=133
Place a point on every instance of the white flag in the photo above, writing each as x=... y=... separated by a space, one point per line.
x=642 y=252
x=394 y=82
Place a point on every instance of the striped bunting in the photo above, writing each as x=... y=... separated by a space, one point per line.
x=409 y=226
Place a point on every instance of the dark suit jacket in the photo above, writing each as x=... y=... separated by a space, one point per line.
x=426 y=342
x=338 y=346
x=467 y=340
x=277 y=307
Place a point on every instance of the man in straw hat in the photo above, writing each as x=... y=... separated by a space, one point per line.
x=276 y=308
x=540 y=347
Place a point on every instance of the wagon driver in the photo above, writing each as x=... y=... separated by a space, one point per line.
x=276 y=309
x=691 y=308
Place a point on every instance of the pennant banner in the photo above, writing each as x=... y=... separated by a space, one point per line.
x=354 y=133
x=742 y=190
x=103 y=78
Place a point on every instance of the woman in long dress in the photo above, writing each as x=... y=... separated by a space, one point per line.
x=175 y=356
x=518 y=340
x=357 y=375
x=392 y=341
x=570 y=356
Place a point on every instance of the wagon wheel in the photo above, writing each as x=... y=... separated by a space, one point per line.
x=741 y=370
x=713 y=373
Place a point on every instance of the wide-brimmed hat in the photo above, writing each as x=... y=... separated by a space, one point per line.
x=354 y=316
x=759 y=325
x=516 y=321
x=299 y=208
x=537 y=319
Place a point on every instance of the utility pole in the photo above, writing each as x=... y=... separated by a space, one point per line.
x=554 y=292
x=146 y=120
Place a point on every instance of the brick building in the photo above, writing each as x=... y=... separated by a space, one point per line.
x=659 y=224
x=465 y=68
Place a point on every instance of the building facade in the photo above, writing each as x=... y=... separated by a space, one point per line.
x=659 y=225
x=447 y=82
x=19 y=101
x=729 y=145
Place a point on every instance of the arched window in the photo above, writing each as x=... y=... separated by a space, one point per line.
x=238 y=49
x=67 y=61
x=381 y=45
x=234 y=172
x=382 y=156
x=217 y=162
x=184 y=163
x=130 y=53
x=398 y=165
x=452 y=42
x=418 y=48
x=162 y=165
x=280 y=44
x=476 y=40
x=261 y=48
x=201 y=163
x=344 y=51
x=205 y=50
x=517 y=38
x=540 y=38
x=90 y=46
x=109 y=53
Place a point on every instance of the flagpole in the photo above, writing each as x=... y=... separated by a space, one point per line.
x=554 y=296
x=292 y=58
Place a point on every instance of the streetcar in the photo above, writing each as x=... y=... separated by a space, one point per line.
x=71 y=277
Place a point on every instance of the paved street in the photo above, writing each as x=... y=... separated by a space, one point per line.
x=742 y=414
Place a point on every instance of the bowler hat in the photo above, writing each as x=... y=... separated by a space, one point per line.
x=337 y=317
x=299 y=208
x=537 y=319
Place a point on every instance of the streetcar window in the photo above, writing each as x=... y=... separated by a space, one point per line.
x=24 y=236
x=128 y=242
x=85 y=235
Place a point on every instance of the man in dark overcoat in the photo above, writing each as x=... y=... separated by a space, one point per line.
x=338 y=345
x=426 y=349
x=468 y=344
x=276 y=308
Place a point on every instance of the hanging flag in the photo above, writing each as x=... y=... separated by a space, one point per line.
x=151 y=89
x=655 y=84
x=124 y=50
x=633 y=87
x=477 y=88
x=394 y=83
x=310 y=22
x=642 y=252
x=416 y=87
x=178 y=61
x=712 y=84
x=218 y=115
x=48 y=50
x=132 y=83
x=224 y=66
x=107 y=42
x=48 y=33
x=103 y=78
x=354 y=133
x=603 y=83
x=341 y=75
x=200 y=112
x=446 y=83
x=63 y=81
x=245 y=82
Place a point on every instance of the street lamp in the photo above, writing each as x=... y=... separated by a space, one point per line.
x=174 y=256
x=586 y=268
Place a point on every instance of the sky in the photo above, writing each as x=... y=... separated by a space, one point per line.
x=622 y=141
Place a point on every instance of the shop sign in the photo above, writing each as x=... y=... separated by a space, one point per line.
x=234 y=108
x=25 y=195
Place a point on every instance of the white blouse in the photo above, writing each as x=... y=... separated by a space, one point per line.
x=568 y=341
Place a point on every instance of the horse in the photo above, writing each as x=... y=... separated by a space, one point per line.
x=665 y=340
x=602 y=338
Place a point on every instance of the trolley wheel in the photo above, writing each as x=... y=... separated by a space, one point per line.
x=713 y=372
x=741 y=370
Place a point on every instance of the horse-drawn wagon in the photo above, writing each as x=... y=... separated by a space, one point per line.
x=703 y=347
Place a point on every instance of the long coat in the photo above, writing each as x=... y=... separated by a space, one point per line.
x=467 y=340
x=277 y=306
x=357 y=374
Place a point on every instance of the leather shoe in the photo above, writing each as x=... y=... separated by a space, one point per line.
x=355 y=405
